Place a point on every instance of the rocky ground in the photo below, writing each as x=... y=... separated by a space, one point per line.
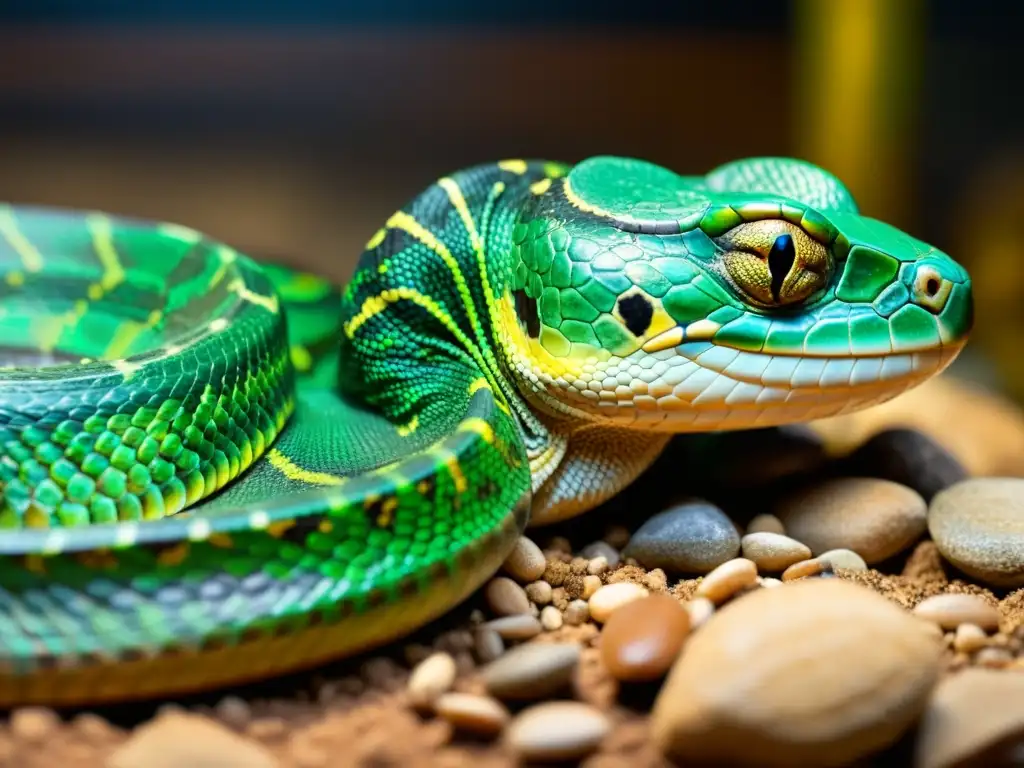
x=848 y=594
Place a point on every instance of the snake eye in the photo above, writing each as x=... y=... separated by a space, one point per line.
x=774 y=262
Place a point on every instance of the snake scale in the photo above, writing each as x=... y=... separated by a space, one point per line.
x=214 y=471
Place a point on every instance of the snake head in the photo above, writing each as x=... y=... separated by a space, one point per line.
x=753 y=296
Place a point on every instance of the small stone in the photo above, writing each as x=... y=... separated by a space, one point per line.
x=93 y=728
x=526 y=563
x=908 y=457
x=176 y=739
x=693 y=537
x=972 y=716
x=602 y=549
x=843 y=560
x=969 y=638
x=590 y=585
x=557 y=731
x=823 y=672
x=33 y=725
x=773 y=551
x=267 y=728
x=875 y=518
x=577 y=613
x=700 y=609
x=532 y=671
x=978 y=525
x=234 y=711
x=640 y=641
x=470 y=713
x=433 y=676
x=611 y=597
x=813 y=567
x=519 y=627
x=656 y=580
x=551 y=618
x=597 y=566
x=950 y=610
x=539 y=592
x=488 y=644
x=506 y=598
x=994 y=658
x=765 y=523
x=767 y=581
x=727 y=579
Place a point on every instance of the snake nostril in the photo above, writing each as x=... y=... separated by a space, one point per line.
x=931 y=287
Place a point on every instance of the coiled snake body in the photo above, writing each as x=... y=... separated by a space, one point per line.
x=214 y=471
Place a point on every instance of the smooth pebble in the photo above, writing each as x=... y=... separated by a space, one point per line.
x=693 y=537
x=951 y=609
x=488 y=644
x=642 y=639
x=766 y=523
x=602 y=549
x=526 y=563
x=972 y=717
x=518 y=627
x=433 y=676
x=591 y=584
x=822 y=672
x=969 y=638
x=978 y=525
x=557 y=731
x=506 y=598
x=551 y=618
x=472 y=713
x=727 y=579
x=875 y=518
x=843 y=559
x=813 y=567
x=908 y=457
x=700 y=609
x=532 y=671
x=773 y=551
x=539 y=592
x=611 y=597
x=577 y=612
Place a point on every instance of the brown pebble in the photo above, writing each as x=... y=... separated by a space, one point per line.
x=773 y=551
x=267 y=728
x=471 y=713
x=33 y=724
x=727 y=579
x=551 y=618
x=611 y=597
x=557 y=731
x=996 y=658
x=234 y=711
x=520 y=627
x=526 y=563
x=577 y=612
x=489 y=644
x=93 y=728
x=591 y=584
x=700 y=609
x=432 y=677
x=539 y=592
x=765 y=523
x=969 y=638
x=532 y=671
x=640 y=640
x=822 y=672
x=767 y=581
x=176 y=739
x=875 y=518
x=950 y=610
x=505 y=597
x=813 y=567
x=971 y=714
x=597 y=566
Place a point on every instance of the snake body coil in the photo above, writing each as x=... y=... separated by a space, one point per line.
x=214 y=471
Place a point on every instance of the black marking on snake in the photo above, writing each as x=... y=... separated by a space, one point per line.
x=526 y=308
x=637 y=313
x=780 y=261
x=487 y=489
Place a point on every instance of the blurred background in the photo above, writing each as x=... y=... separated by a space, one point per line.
x=291 y=130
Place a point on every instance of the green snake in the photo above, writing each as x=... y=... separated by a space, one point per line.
x=214 y=471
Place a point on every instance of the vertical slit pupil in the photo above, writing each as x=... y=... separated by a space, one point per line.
x=780 y=261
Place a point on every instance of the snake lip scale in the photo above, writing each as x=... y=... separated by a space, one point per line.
x=214 y=470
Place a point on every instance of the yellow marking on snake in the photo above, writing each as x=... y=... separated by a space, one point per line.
x=540 y=187
x=407 y=429
x=301 y=358
x=387 y=512
x=458 y=201
x=103 y=243
x=15 y=279
x=481 y=427
x=451 y=461
x=293 y=471
x=179 y=232
x=581 y=204
x=269 y=303
x=517 y=167
x=31 y=258
x=377 y=239
x=374 y=305
x=174 y=555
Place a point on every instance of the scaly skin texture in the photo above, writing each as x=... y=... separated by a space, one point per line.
x=199 y=485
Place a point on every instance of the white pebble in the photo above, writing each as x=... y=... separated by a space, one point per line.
x=611 y=597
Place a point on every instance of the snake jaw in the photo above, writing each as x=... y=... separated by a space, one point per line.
x=699 y=330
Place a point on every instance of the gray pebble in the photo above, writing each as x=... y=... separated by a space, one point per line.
x=601 y=549
x=911 y=458
x=978 y=525
x=692 y=537
x=532 y=671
